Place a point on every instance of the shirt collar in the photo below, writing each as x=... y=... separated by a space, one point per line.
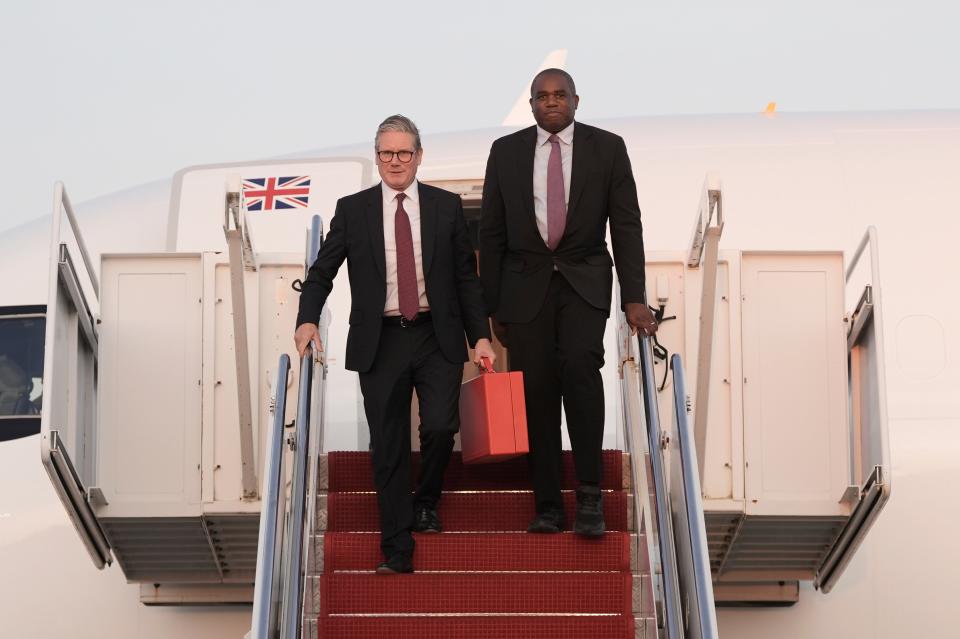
x=412 y=192
x=566 y=136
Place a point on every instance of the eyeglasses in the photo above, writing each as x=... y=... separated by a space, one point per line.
x=403 y=156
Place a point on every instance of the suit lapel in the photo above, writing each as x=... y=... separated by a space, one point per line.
x=375 y=227
x=428 y=227
x=528 y=145
x=582 y=154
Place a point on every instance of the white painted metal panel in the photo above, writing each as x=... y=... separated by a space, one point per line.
x=795 y=407
x=150 y=375
x=723 y=468
x=221 y=382
x=197 y=202
x=723 y=463
x=196 y=220
x=68 y=429
x=271 y=313
x=665 y=276
x=278 y=304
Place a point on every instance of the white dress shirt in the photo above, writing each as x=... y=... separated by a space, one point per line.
x=541 y=158
x=411 y=204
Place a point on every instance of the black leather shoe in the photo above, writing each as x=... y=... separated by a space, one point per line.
x=549 y=522
x=396 y=565
x=589 y=522
x=426 y=520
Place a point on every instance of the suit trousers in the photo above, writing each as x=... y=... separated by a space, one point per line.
x=561 y=353
x=409 y=358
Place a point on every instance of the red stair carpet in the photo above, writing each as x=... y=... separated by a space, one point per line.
x=483 y=577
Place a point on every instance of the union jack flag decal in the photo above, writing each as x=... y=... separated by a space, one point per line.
x=273 y=193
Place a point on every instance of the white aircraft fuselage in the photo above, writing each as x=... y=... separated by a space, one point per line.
x=790 y=182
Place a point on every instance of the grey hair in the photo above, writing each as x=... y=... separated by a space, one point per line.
x=400 y=124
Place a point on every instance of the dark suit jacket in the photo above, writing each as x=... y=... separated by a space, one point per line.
x=449 y=272
x=515 y=263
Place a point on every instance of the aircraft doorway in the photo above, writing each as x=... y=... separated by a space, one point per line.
x=471 y=192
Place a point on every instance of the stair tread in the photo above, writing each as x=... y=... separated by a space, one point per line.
x=553 y=627
x=484 y=577
x=572 y=593
x=479 y=552
x=468 y=511
x=350 y=471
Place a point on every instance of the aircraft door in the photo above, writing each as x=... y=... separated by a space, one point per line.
x=68 y=434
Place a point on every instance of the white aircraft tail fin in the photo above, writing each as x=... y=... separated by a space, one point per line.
x=520 y=114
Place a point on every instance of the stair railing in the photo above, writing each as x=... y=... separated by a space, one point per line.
x=286 y=526
x=638 y=413
x=316 y=420
x=267 y=593
x=668 y=586
x=678 y=559
x=690 y=532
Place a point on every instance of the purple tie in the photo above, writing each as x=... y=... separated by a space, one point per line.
x=409 y=296
x=556 y=201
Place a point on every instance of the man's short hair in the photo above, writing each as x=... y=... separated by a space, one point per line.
x=400 y=124
x=560 y=72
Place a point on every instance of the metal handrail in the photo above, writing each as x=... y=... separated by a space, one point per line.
x=316 y=403
x=293 y=588
x=870 y=240
x=672 y=609
x=684 y=579
x=65 y=290
x=635 y=444
x=285 y=528
x=876 y=485
x=314 y=241
x=702 y=622
x=266 y=593
x=61 y=201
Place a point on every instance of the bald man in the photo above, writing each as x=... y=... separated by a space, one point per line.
x=548 y=195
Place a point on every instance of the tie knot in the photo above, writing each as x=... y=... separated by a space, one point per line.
x=553 y=139
x=400 y=197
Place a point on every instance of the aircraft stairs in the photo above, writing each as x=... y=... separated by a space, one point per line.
x=299 y=525
x=679 y=552
x=144 y=494
x=483 y=576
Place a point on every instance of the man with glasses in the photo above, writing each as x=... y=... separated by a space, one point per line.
x=548 y=194
x=415 y=295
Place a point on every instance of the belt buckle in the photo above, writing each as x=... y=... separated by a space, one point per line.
x=404 y=322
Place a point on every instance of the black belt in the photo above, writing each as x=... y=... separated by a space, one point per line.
x=400 y=320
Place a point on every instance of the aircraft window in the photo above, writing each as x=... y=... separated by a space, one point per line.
x=21 y=372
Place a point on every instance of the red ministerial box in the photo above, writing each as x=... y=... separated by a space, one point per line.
x=493 y=418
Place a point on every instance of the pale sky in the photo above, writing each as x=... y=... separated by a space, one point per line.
x=109 y=94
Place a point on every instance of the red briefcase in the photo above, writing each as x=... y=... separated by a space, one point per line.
x=493 y=416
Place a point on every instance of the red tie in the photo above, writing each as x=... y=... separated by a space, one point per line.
x=407 y=292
